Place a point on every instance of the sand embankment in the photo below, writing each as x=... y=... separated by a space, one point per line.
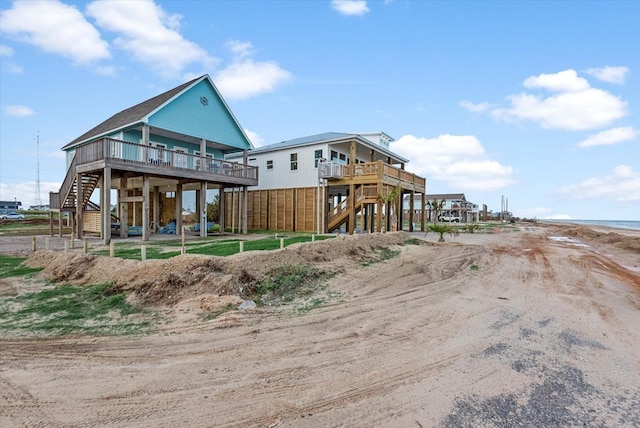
x=537 y=327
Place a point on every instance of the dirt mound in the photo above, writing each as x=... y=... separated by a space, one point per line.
x=166 y=282
x=621 y=241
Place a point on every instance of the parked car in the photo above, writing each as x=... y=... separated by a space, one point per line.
x=449 y=218
x=12 y=216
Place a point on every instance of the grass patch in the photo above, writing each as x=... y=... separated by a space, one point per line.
x=13 y=266
x=288 y=283
x=474 y=267
x=215 y=314
x=63 y=310
x=221 y=248
x=381 y=255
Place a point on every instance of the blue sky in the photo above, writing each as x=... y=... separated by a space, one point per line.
x=534 y=100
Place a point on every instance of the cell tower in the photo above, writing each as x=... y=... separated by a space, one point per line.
x=38 y=199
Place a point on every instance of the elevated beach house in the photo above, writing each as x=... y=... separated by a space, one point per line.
x=328 y=182
x=149 y=154
x=451 y=205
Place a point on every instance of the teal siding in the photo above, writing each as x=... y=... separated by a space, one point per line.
x=187 y=115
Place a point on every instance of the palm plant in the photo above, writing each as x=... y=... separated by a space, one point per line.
x=436 y=206
x=442 y=229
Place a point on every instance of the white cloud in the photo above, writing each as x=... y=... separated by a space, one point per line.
x=610 y=137
x=245 y=78
x=18 y=111
x=254 y=137
x=573 y=110
x=622 y=185
x=563 y=81
x=150 y=35
x=25 y=192
x=5 y=51
x=350 y=7
x=473 y=107
x=609 y=74
x=574 y=106
x=240 y=49
x=459 y=160
x=55 y=28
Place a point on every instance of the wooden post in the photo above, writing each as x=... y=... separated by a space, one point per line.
x=145 y=207
x=79 y=205
x=411 y=202
x=202 y=202
x=352 y=210
x=112 y=249
x=245 y=209
x=33 y=244
x=222 y=208
x=105 y=209
x=178 y=207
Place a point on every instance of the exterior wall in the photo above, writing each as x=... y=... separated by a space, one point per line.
x=293 y=209
x=281 y=176
x=201 y=112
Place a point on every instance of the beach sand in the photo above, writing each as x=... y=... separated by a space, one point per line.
x=538 y=326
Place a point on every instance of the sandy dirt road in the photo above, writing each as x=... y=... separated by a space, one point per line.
x=499 y=330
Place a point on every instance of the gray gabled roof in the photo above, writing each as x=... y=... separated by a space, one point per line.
x=131 y=115
x=326 y=137
x=441 y=196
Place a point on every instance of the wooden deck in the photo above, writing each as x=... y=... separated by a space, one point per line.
x=146 y=160
x=380 y=172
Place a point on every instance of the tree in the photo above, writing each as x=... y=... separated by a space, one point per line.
x=213 y=210
x=442 y=229
x=390 y=198
x=436 y=206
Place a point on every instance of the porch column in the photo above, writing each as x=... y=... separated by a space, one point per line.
x=352 y=153
x=105 y=206
x=145 y=207
x=79 y=204
x=372 y=156
x=352 y=209
x=178 y=211
x=156 y=209
x=423 y=205
x=411 y=201
x=203 y=154
x=245 y=207
x=145 y=142
x=123 y=208
x=60 y=222
x=202 y=202
x=222 y=207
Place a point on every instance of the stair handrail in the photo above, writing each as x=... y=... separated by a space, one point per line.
x=67 y=184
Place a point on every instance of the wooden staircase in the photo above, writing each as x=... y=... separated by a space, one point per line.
x=65 y=199
x=364 y=194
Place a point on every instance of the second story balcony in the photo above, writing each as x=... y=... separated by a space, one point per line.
x=144 y=159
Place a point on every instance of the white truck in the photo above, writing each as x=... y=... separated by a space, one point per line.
x=449 y=218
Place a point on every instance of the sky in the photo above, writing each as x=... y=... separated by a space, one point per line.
x=536 y=102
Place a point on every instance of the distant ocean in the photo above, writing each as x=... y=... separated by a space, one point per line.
x=622 y=224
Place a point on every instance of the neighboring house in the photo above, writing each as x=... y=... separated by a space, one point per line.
x=150 y=154
x=455 y=205
x=350 y=176
x=10 y=206
x=39 y=208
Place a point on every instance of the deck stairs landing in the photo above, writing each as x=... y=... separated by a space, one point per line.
x=364 y=194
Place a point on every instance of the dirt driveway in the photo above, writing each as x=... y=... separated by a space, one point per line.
x=516 y=329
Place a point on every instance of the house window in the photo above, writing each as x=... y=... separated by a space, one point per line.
x=293 y=157
x=317 y=155
x=334 y=155
x=269 y=164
